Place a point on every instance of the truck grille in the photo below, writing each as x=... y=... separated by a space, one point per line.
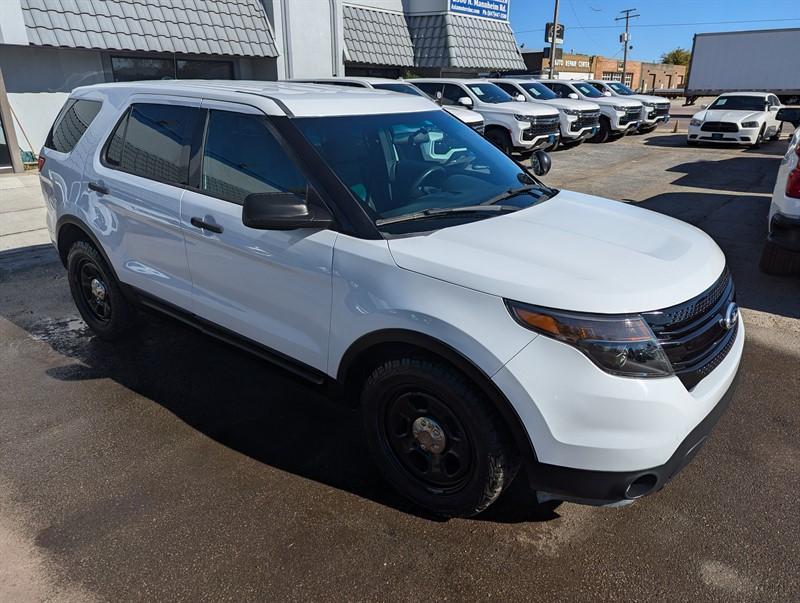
x=630 y=115
x=662 y=110
x=719 y=126
x=692 y=333
x=586 y=119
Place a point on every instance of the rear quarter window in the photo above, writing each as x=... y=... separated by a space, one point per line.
x=71 y=123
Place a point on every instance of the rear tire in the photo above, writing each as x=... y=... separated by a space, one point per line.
x=97 y=294
x=778 y=261
x=604 y=133
x=500 y=139
x=436 y=438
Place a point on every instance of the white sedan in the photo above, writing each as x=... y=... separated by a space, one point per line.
x=745 y=118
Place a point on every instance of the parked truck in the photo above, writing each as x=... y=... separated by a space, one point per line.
x=763 y=60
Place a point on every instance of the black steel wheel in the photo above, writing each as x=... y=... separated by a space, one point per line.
x=96 y=293
x=436 y=438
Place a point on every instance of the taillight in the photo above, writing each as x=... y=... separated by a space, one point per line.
x=793 y=182
x=40 y=162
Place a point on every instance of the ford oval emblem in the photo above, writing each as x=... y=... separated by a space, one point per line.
x=731 y=317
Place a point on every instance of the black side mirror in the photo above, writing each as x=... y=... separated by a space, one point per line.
x=790 y=114
x=283 y=211
x=541 y=163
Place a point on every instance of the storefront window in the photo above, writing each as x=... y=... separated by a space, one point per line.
x=131 y=69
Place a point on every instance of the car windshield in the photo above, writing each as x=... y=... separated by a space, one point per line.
x=740 y=103
x=403 y=164
x=587 y=90
x=538 y=91
x=402 y=88
x=490 y=93
x=620 y=88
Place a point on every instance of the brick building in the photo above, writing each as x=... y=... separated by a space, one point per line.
x=657 y=76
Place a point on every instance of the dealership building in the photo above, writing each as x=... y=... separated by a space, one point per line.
x=49 y=47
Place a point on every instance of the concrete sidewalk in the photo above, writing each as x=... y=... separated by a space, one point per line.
x=22 y=211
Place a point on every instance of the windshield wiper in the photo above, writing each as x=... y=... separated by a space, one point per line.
x=514 y=192
x=437 y=212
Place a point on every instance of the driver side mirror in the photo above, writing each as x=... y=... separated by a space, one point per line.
x=572 y=95
x=283 y=211
x=606 y=93
x=541 y=163
x=774 y=107
x=465 y=101
x=520 y=97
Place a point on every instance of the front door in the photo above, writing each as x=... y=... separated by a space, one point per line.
x=272 y=287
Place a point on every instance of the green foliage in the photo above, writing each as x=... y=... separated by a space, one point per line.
x=678 y=56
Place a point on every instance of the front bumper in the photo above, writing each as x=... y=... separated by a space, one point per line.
x=526 y=139
x=595 y=434
x=745 y=136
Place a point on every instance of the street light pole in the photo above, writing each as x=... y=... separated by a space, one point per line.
x=553 y=41
x=627 y=16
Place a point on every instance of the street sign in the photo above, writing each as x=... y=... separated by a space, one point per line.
x=488 y=9
x=548 y=33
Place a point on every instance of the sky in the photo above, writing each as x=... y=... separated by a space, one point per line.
x=664 y=24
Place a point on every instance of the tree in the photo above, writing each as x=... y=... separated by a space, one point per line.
x=678 y=56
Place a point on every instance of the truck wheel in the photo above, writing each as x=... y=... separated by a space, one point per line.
x=778 y=261
x=604 y=133
x=97 y=294
x=501 y=139
x=436 y=438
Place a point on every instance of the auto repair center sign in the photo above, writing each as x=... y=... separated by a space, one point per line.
x=488 y=9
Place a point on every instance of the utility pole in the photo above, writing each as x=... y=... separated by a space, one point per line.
x=553 y=41
x=627 y=16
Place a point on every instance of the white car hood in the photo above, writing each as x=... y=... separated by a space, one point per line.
x=464 y=114
x=730 y=116
x=569 y=103
x=573 y=252
x=620 y=101
x=516 y=107
x=657 y=100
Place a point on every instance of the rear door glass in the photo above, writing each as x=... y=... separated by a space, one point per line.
x=71 y=123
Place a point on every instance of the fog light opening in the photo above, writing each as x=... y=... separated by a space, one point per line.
x=642 y=485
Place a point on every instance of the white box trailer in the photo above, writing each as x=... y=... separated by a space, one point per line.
x=764 y=60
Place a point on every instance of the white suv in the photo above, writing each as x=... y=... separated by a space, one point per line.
x=471 y=118
x=619 y=116
x=511 y=126
x=579 y=119
x=744 y=118
x=655 y=110
x=481 y=320
x=781 y=253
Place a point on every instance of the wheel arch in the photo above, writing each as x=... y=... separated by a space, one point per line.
x=370 y=350
x=69 y=230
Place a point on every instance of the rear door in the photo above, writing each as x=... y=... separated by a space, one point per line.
x=134 y=189
x=271 y=287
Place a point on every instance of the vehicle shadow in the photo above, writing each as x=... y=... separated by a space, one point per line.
x=739 y=174
x=738 y=223
x=678 y=141
x=241 y=402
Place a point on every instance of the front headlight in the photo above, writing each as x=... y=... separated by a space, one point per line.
x=622 y=345
x=696 y=122
x=646 y=104
x=619 y=108
x=750 y=124
x=571 y=112
x=527 y=118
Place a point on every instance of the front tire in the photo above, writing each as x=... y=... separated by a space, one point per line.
x=501 y=139
x=604 y=133
x=760 y=139
x=97 y=294
x=435 y=437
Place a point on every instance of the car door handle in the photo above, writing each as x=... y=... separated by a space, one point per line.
x=199 y=223
x=98 y=188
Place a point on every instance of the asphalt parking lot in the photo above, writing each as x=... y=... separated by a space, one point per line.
x=177 y=468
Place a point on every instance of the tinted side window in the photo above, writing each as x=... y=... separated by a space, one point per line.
x=71 y=123
x=451 y=94
x=508 y=88
x=242 y=157
x=157 y=142
x=560 y=89
x=429 y=89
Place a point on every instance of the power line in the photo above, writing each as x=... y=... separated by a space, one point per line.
x=670 y=24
